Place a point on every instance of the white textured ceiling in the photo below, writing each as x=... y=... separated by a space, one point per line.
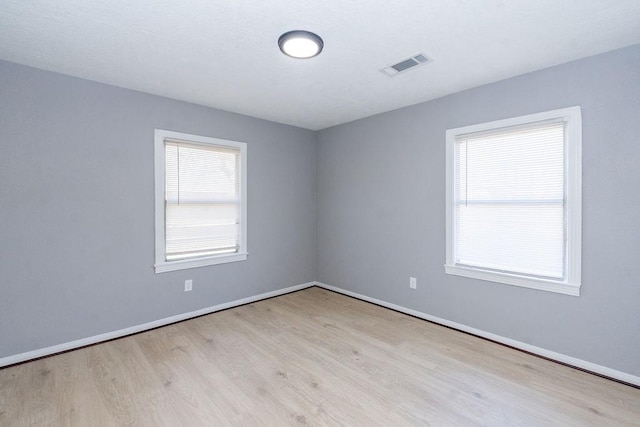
x=224 y=53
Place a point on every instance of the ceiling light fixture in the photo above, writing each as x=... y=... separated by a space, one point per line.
x=300 y=44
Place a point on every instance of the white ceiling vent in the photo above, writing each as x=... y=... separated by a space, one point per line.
x=406 y=64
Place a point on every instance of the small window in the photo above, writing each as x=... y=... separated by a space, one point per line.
x=514 y=201
x=201 y=208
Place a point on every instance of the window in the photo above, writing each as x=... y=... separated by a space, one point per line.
x=201 y=203
x=514 y=201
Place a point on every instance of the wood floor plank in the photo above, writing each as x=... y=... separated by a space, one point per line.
x=311 y=357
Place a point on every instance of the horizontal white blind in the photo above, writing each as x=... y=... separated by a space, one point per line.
x=510 y=200
x=202 y=200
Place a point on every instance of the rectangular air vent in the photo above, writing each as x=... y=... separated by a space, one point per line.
x=406 y=64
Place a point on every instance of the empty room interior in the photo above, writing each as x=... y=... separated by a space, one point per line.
x=360 y=213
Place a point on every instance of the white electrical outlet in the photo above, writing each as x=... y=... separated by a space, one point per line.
x=188 y=285
x=413 y=282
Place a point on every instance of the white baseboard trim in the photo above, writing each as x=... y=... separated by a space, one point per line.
x=47 y=351
x=578 y=363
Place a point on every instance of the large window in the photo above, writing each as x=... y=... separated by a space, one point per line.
x=514 y=201
x=201 y=212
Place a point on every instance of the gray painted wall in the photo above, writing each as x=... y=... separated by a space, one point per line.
x=381 y=211
x=77 y=209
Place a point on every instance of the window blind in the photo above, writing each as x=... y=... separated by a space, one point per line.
x=510 y=200
x=202 y=200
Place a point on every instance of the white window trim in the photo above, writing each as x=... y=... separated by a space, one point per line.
x=161 y=265
x=573 y=169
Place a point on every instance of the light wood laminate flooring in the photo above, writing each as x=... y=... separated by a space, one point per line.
x=311 y=357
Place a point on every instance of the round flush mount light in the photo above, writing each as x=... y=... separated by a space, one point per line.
x=300 y=44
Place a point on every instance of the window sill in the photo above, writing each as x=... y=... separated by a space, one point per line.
x=199 y=262
x=515 y=280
